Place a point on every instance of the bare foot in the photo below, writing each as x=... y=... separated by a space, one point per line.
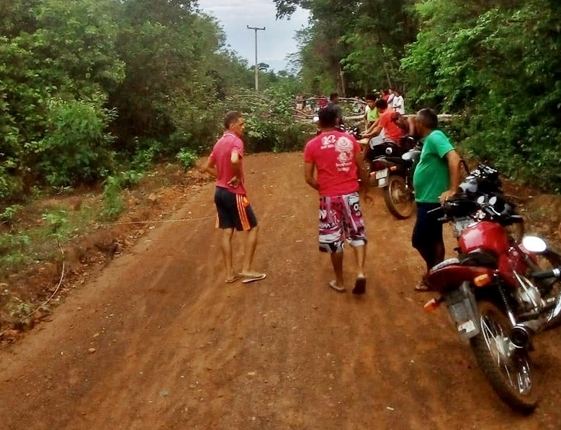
x=233 y=279
x=333 y=284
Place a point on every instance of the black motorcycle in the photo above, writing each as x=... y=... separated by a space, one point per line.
x=391 y=167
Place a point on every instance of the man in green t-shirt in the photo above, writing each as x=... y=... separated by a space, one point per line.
x=436 y=179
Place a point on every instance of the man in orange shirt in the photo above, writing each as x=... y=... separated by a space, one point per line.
x=385 y=128
x=385 y=124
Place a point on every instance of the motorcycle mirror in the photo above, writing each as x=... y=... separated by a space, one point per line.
x=534 y=244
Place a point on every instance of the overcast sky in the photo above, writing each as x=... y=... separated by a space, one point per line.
x=273 y=44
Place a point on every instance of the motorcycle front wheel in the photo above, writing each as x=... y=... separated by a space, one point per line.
x=506 y=368
x=549 y=288
x=399 y=199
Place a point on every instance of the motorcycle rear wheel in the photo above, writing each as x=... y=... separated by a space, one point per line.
x=507 y=369
x=400 y=201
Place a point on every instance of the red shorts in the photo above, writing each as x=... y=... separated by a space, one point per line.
x=340 y=219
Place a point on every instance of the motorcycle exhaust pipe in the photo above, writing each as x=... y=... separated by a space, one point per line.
x=521 y=336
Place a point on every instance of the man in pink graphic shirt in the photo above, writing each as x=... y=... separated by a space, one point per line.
x=332 y=166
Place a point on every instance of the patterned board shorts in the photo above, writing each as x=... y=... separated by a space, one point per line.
x=340 y=219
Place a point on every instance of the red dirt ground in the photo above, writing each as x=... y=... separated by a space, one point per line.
x=176 y=348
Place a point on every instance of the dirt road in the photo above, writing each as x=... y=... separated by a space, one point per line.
x=176 y=348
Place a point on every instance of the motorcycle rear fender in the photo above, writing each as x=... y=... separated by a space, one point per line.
x=450 y=273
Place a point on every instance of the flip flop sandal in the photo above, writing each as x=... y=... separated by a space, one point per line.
x=232 y=280
x=333 y=284
x=360 y=286
x=254 y=278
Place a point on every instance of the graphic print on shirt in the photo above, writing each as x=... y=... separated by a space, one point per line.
x=343 y=147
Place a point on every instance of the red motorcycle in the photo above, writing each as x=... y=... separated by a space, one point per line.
x=499 y=292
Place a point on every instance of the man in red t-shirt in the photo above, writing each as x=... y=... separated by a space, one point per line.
x=386 y=127
x=337 y=159
x=234 y=210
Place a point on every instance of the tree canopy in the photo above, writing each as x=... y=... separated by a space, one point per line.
x=495 y=62
x=90 y=86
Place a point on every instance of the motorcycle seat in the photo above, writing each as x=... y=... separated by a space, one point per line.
x=480 y=257
x=396 y=160
x=449 y=262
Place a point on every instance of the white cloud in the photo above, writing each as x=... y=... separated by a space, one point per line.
x=274 y=44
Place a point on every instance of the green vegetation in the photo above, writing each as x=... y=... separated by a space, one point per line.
x=52 y=226
x=495 y=62
x=92 y=88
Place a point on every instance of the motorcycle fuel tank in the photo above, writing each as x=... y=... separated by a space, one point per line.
x=485 y=235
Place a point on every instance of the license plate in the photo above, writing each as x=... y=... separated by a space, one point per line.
x=380 y=174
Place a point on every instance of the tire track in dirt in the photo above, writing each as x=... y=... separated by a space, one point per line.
x=176 y=348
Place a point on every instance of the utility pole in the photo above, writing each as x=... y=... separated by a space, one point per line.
x=256 y=63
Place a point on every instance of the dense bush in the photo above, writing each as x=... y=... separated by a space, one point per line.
x=76 y=147
x=496 y=63
x=87 y=86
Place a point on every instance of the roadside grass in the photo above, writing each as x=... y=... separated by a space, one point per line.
x=58 y=239
x=40 y=230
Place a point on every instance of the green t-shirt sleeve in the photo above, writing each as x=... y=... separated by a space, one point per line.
x=439 y=144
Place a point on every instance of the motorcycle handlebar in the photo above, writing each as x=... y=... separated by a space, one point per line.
x=554 y=273
x=448 y=209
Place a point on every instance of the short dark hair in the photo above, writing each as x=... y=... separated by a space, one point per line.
x=333 y=96
x=381 y=104
x=371 y=96
x=328 y=117
x=429 y=118
x=231 y=117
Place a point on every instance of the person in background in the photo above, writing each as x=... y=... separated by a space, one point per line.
x=225 y=163
x=337 y=159
x=385 y=125
x=398 y=103
x=385 y=95
x=436 y=179
x=391 y=96
x=334 y=101
x=371 y=113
